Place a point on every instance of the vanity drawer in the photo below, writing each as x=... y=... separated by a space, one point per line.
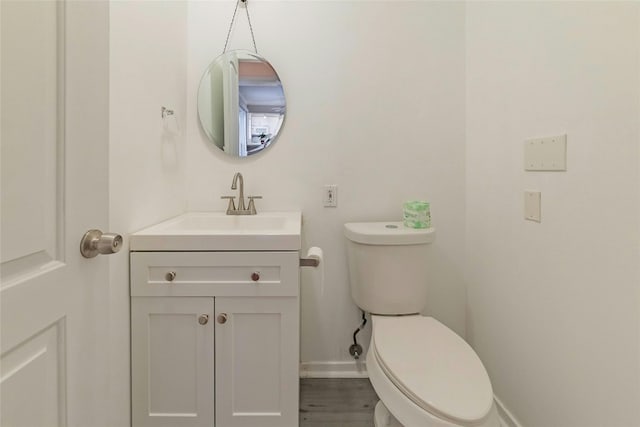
x=214 y=273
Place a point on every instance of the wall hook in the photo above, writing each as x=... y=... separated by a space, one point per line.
x=164 y=111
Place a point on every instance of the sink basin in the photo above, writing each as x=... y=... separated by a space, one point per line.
x=215 y=223
x=217 y=231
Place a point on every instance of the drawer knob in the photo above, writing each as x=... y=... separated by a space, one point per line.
x=170 y=276
x=203 y=319
x=255 y=276
x=222 y=318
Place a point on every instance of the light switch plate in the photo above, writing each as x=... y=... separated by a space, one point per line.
x=532 y=202
x=546 y=154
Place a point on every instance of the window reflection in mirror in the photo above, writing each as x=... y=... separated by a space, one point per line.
x=241 y=103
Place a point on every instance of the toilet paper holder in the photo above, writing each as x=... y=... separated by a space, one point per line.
x=314 y=255
x=309 y=262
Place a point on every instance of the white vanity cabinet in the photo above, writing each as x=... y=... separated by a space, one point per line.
x=215 y=338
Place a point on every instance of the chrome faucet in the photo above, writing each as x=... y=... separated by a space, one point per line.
x=241 y=209
x=234 y=186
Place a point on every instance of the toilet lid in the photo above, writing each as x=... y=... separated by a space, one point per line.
x=433 y=367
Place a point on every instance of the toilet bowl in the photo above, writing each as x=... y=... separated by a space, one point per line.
x=427 y=376
x=424 y=373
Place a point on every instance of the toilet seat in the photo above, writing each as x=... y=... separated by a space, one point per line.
x=433 y=367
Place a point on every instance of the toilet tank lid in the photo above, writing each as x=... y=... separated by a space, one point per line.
x=387 y=233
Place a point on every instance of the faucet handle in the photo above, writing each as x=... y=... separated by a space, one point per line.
x=252 y=206
x=232 y=205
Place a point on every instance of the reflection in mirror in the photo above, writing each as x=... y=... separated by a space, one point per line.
x=241 y=103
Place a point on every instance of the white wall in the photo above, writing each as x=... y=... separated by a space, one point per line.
x=147 y=160
x=553 y=307
x=375 y=104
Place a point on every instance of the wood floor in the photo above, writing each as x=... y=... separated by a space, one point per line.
x=336 y=402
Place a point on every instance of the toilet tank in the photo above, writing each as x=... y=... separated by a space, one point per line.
x=387 y=266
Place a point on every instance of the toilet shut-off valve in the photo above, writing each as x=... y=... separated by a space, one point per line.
x=355 y=350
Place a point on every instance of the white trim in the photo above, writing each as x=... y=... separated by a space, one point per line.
x=349 y=369
x=506 y=417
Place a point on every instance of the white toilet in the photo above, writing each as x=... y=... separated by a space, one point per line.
x=424 y=373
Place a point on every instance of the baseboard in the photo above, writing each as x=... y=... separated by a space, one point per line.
x=350 y=369
x=506 y=418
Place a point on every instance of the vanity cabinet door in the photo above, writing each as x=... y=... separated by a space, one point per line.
x=172 y=361
x=257 y=352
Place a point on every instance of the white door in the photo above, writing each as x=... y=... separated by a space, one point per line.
x=54 y=149
x=231 y=105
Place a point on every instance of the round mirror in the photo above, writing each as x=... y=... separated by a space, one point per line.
x=241 y=103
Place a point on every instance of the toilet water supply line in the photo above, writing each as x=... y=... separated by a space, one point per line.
x=356 y=349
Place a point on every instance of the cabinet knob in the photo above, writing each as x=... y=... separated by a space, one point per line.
x=170 y=276
x=255 y=276
x=222 y=318
x=203 y=319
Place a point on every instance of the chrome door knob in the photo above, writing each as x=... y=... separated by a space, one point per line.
x=222 y=318
x=96 y=242
x=203 y=319
x=170 y=276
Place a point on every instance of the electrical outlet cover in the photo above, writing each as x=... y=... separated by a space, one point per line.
x=330 y=196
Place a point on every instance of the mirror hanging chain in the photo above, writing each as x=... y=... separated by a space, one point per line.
x=246 y=8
